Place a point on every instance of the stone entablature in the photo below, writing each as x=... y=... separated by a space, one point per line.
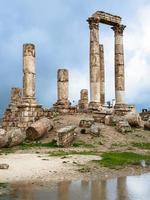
x=107 y=18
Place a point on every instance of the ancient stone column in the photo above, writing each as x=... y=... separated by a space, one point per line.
x=83 y=102
x=62 y=86
x=94 y=63
x=102 y=75
x=29 y=71
x=119 y=65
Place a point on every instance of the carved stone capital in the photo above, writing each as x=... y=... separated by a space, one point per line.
x=29 y=50
x=93 y=23
x=118 y=29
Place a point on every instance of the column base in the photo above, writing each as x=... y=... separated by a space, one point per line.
x=94 y=106
x=29 y=101
x=64 y=107
x=121 y=109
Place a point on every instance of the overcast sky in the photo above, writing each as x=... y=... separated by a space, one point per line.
x=60 y=32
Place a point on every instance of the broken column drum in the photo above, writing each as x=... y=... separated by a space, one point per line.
x=83 y=102
x=102 y=75
x=29 y=71
x=94 y=63
x=62 y=86
x=119 y=64
x=16 y=96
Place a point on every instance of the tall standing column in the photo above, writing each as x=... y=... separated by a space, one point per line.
x=102 y=75
x=62 y=86
x=119 y=65
x=29 y=71
x=94 y=63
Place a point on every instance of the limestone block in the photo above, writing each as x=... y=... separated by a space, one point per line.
x=16 y=137
x=39 y=128
x=3 y=138
x=95 y=130
x=134 y=119
x=86 y=123
x=123 y=126
x=66 y=136
x=147 y=125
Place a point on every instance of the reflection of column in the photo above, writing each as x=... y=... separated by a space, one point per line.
x=63 y=190
x=23 y=191
x=94 y=63
x=119 y=64
x=29 y=71
x=122 y=192
x=95 y=190
x=102 y=74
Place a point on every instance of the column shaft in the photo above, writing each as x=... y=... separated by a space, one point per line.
x=119 y=65
x=29 y=71
x=102 y=75
x=62 y=84
x=94 y=62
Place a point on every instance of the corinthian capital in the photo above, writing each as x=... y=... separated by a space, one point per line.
x=118 y=29
x=93 y=23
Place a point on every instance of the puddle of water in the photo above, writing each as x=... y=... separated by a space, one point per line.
x=123 y=188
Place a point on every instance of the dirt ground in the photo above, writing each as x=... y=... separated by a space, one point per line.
x=36 y=165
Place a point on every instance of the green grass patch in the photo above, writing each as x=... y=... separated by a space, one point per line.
x=7 y=151
x=142 y=145
x=52 y=144
x=83 y=144
x=67 y=153
x=113 y=159
x=3 y=185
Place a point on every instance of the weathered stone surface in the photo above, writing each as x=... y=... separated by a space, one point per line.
x=102 y=75
x=16 y=136
x=147 y=125
x=123 y=126
x=134 y=119
x=29 y=70
x=83 y=102
x=119 y=64
x=62 y=105
x=16 y=96
x=66 y=136
x=3 y=138
x=4 y=166
x=108 y=120
x=99 y=116
x=94 y=63
x=86 y=123
x=107 y=18
x=95 y=130
x=39 y=128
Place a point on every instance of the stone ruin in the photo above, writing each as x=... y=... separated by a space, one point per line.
x=23 y=109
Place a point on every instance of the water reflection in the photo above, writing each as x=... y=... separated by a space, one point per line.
x=123 y=188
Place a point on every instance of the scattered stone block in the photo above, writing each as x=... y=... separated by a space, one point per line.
x=16 y=136
x=66 y=136
x=123 y=126
x=95 y=130
x=134 y=119
x=86 y=123
x=39 y=128
x=147 y=125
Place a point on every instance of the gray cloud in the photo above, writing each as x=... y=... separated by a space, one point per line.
x=60 y=32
